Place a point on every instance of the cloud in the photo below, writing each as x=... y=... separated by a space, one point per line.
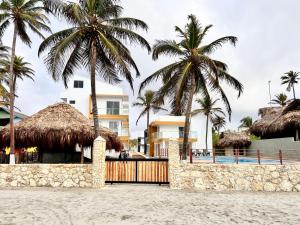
x=268 y=47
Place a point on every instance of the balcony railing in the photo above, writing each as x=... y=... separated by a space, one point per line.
x=113 y=111
x=173 y=134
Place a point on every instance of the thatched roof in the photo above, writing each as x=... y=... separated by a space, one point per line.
x=278 y=121
x=58 y=126
x=234 y=139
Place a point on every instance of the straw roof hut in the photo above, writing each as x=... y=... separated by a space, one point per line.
x=57 y=127
x=278 y=122
x=234 y=140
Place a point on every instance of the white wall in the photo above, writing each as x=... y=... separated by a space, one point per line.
x=198 y=123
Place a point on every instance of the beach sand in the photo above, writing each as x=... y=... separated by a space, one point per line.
x=145 y=204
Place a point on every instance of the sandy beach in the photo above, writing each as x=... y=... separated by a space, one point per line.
x=138 y=204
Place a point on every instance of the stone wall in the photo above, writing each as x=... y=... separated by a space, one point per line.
x=237 y=177
x=231 y=177
x=57 y=175
x=46 y=175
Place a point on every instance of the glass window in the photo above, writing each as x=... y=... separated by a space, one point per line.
x=181 y=131
x=64 y=100
x=112 y=108
x=114 y=126
x=78 y=84
x=72 y=102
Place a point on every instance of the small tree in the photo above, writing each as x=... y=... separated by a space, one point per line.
x=290 y=78
x=147 y=103
x=209 y=109
x=246 y=122
x=280 y=99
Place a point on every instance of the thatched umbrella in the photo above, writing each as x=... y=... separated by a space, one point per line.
x=234 y=140
x=279 y=122
x=57 y=127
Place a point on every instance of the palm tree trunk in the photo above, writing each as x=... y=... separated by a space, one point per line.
x=206 y=135
x=148 y=119
x=187 y=123
x=294 y=91
x=12 y=98
x=93 y=88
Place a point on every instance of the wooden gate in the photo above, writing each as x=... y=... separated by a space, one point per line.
x=146 y=171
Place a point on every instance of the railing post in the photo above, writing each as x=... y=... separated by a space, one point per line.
x=280 y=157
x=191 y=156
x=237 y=156
x=214 y=155
x=258 y=156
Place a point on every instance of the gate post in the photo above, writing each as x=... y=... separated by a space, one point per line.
x=98 y=171
x=174 y=164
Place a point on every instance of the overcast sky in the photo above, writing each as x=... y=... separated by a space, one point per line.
x=268 y=46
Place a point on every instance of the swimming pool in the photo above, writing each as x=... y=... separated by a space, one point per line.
x=232 y=159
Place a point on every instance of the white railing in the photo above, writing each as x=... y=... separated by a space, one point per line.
x=113 y=111
x=173 y=134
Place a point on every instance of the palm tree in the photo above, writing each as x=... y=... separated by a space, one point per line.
x=209 y=109
x=193 y=72
x=148 y=104
x=246 y=122
x=4 y=96
x=95 y=41
x=23 y=15
x=21 y=70
x=218 y=123
x=280 y=99
x=290 y=78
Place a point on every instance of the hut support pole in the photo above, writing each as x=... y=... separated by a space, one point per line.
x=297 y=134
x=82 y=155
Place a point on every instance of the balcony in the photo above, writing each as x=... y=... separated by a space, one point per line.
x=113 y=111
x=173 y=134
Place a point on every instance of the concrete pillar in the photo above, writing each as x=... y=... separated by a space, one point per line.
x=99 y=163
x=174 y=164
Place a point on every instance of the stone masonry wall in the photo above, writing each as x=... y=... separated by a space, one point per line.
x=231 y=177
x=237 y=177
x=46 y=175
x=57 y=175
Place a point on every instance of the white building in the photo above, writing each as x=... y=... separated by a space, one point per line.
x=112 y=103
x=166 y=127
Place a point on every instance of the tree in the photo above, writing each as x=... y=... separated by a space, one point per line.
x=290 y=78
x=95 y=41
x=209 y=109
x=21 y=70
x=147 y=103
x=194 y=71
x=280 y=99
x=218 y=123
x=23 y=15
x=246 y=122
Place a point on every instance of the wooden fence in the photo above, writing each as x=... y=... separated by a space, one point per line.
x=152 y=171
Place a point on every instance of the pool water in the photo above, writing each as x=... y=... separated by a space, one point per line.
x=242 y=160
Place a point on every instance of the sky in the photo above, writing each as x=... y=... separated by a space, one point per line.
x=268 y=46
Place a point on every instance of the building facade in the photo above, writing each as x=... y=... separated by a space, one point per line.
x=112 y=103
x=164 y=128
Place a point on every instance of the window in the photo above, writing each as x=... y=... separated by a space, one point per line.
x=181 y=131
x=78 y=84
x=64 y=100
x=72 y=102
x=114 y=126
x=112 y=108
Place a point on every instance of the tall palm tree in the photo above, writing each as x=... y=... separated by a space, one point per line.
x=246 y=122
x=21 y=70
x=147 y=103
x=290 y=78
x=22 y=15
x=280 y=99
x=96 y=41
x=194 y=71
x=209 y=109
x=218 y=123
